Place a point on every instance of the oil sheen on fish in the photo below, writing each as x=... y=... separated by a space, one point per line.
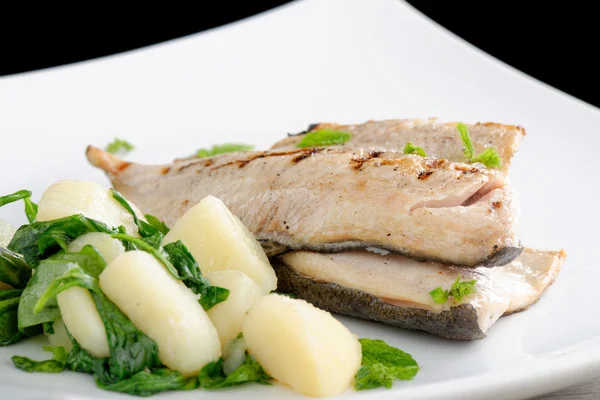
x=331 y=200
x=437 y=139
x=395 y=290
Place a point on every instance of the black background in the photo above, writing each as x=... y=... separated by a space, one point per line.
x=558 y=44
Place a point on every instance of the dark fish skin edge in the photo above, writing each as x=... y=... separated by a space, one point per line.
x=498 y=258
x=310 y=128
x=458 y=323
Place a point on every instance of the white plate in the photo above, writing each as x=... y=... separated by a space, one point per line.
x=345 y=61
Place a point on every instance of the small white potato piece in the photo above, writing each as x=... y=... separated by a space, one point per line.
x=227 y=316
x=6 y=233
x=60 y=336
x=109 y=248
x=79 y=313
x=302 y=346
x=219 y=241
x=234 y=355
x=66 y=198
x=164 y=309
x=76 y=305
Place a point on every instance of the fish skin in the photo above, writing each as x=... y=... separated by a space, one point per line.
x=436 y=138
x=331 y=200
x=401 y=297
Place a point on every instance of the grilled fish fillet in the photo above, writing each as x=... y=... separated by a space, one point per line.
x=395 y=290
x=437 y=139
x=331 y=200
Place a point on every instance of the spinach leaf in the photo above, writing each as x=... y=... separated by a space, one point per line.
x=144 y=228
x=11 y=198
x=157 y=224
x=148 y=383
x=14 y=271
x=182 y=265
x=40 y=240
x=382 y=364
x=213 y=296
x=46 y=272
x=74 y=276
x=87 y=260
x=31 y=210
x=189 y=272
x=131 y=351
x=213 y=377
x=56 y=364
x=9 y=304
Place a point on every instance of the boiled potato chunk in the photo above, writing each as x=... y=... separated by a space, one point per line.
x=65 y=198
x=302 y=346
x=219 y=241
x=227 y=316
x=108 y=247
x=6 y=233
x=60 y=336
x=164 y=309
x=76 y=305
x=79 y=313
x=234 y=355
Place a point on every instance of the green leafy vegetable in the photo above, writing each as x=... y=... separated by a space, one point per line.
x=74 y=276
x=88 y=260
x=439 y=295
x=39 y=240
x=14 y=271
x=213 y=377
x=458 y=291
x=223 y=148
x=189 y=272
x=148 y=383
x=324 y=137
x=31 y=210
x=131 y=351
x=213 y=296
x=182 y=265
x=462 y=289
x=11 y=198
x=48 y=328
x=291 y=295
x=144 y=228
x=489 y=157
x=56 y=364
x=9 y=328
x=119 y=146
x=382 y=364
x=412 y=149
x=157 y=224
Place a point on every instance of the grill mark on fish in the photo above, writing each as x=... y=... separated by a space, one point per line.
x=310 y=151
x=439 y=140
x=424 y=216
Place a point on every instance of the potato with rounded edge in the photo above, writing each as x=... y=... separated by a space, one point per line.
x=60 y=336
x=66 y=198
x=6 y=233
x=164 y=309
x=302 y=346
x=79 y=313
x=227 y=316
x=219 y=241
x=76 y=305
x=108 y=247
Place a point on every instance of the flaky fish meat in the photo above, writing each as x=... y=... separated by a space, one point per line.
x=395 y=290
x=436 y=138
x=331 y=200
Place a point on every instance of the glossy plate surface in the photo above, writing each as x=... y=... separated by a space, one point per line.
x=341 y=61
